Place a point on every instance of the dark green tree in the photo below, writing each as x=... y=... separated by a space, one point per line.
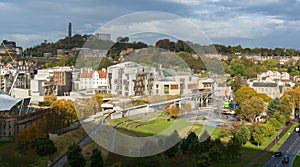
x=204 y=160
x=274 y=106
x=75 y=157
x=96 y=159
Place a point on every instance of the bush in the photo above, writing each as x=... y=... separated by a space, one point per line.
x=43 y=146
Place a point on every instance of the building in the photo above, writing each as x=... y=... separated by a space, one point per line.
x=14 y=116
x=130 y=79
x=272 y=83
x=57 y=81
x=93 y=80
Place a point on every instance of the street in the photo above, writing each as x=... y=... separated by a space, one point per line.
x=291 y=148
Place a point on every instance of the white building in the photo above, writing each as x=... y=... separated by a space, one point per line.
x=272 y=83
x=96 y=80
x=130 y=79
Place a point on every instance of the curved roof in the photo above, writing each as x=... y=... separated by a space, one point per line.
x=7 y=102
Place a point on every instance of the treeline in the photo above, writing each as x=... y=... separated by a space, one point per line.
x=190 y=47
x=76 y=41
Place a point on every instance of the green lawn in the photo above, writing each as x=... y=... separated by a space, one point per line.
x=11 y=156
x=64 y=141
x=297 y=161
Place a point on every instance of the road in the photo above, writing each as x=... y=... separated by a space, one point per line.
x=291 y=148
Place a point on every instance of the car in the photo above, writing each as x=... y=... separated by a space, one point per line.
x=278 y=154
x=285 y=159
x=297 y=129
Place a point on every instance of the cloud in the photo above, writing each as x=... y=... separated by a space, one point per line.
x=187 y=2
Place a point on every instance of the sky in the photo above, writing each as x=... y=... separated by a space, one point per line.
x=255 y=23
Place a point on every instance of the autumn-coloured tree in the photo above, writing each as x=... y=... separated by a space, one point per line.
x=251 y=108
x=265 y=97
x=64 y=112
x=244 y=93
x=50 y=98
x=30 y=133
x=174 y=111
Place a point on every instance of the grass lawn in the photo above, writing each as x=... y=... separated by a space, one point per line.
x=297 y=161
x=64 y=141
x=10 y=156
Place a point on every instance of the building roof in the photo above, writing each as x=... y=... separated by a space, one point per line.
x=264 y=84
x=86 y=74
x=102 y=74
x=7 y=102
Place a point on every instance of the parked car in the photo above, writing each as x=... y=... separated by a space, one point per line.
x=285 y=159
x=297 y=129
x=278 y=154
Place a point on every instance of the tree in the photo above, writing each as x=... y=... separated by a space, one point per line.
x=29 y=134
x=185 y=143
x=217 y=150
x=265 y=97
x=286 y=107
x=243 y=93
x=233 y=149
x=270 y=129
x=238 y=69
x=274 y=106
x=43 y=146
x=243 y=134
x=251 y=108
x=75 y=157
x=237 y=83
x=276 y=124
x=259 y=134
x=171 y=140
x=96 y=159
x=204 y=160
x=174 y=111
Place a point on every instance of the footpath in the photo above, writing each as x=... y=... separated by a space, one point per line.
x=267 y=149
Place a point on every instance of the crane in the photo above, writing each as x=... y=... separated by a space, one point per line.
x=6 y=49
x=14 y=65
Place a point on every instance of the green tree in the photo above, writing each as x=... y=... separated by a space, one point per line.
x=43 y=146
x=190 y=139
x=204 y=160
x=96 y=159
x=217 y=150
x=286 y=107
x=270 y=129
x=243 y=134
x=75 y=157
x=233 y=149
x=238 y=69
x=259 y=134
x=274 y=106
x=276 y=124
x=169 y=141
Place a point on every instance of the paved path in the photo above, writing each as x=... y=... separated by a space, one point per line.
x=267 y=149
